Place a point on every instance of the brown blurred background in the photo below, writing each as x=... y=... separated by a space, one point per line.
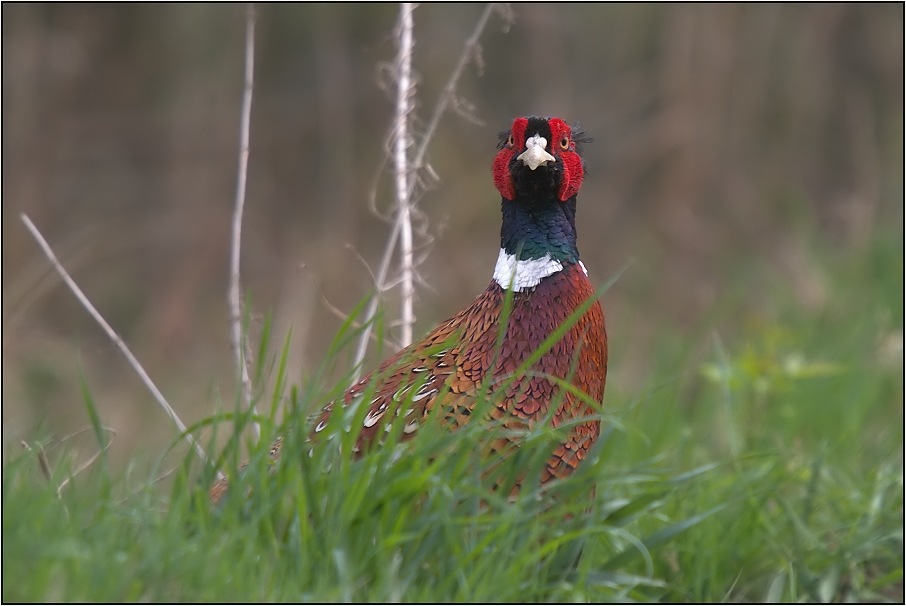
x=729 y=140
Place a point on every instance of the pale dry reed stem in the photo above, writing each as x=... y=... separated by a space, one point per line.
x=405 y=90
x=242 y=370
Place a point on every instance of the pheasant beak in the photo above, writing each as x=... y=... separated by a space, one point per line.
x=534 y=154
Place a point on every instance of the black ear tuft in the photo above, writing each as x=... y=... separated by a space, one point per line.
x=580 y=138
x=504 y=136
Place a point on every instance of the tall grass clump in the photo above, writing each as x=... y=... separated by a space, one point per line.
x=768 y=467
x=432 y=518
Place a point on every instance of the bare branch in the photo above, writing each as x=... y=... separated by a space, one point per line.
x=373 y=303
x=470 y=53
x=404 y=105
x=339 y=313
x=114 y=337
x=242 y=370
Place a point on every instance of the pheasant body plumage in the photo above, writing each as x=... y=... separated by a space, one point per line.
x=538 y=172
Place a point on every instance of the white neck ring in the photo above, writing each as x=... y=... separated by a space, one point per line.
x=515 y=275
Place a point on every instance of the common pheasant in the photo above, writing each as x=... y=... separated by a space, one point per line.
x=538 y=172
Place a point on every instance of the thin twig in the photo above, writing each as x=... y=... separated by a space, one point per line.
x=375 y=300
x=470 y=52
x=339 y=313
x=85 y=465
x=114 y=337
x=361 y=260
x=390 y=345
x=42 y=459
x=405 y=90
x=242 y=370
x=151 y=483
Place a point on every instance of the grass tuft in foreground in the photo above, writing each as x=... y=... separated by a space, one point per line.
x=768 y=468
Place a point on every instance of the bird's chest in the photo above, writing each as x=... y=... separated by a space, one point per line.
x=522 y=346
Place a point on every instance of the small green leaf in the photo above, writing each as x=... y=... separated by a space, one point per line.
x=92 y=411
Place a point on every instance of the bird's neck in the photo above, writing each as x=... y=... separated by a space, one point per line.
x=537 y=239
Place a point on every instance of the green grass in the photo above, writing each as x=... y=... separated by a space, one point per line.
x=766 y=466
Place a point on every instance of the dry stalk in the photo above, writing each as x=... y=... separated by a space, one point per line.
x=115 y=338
x=391 y=345
x=242 y=370
x=42 y=460
x=45 y=468
x=151 y=483
x=87 y=463
x=471 y=52
x=405 y=90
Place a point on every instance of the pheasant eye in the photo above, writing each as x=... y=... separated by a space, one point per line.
x=564 y=142
x=510 y=140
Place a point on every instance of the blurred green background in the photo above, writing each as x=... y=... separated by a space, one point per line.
x=740 y=152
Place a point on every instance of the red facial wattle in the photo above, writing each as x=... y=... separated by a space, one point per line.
x=503 y=181
x=573 y=173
